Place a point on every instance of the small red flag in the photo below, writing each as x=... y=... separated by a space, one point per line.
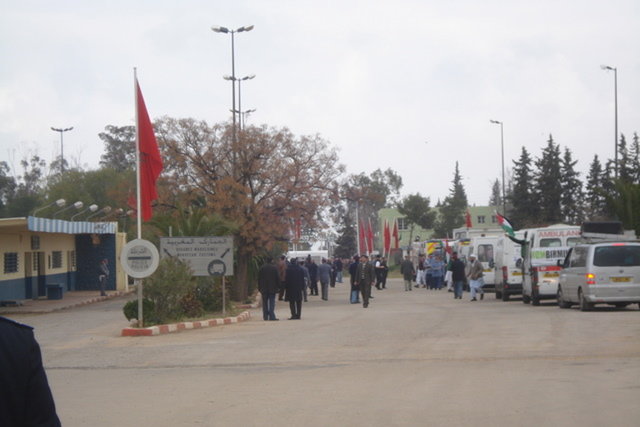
x=387 y=237
x=395 y=234
x=370 y=237
x=362 y=239
x=468 y=219
x=150 y=160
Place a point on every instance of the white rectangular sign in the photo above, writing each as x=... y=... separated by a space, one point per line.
x=207 y=256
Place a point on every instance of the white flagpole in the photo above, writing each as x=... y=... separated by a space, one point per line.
x=138 y=203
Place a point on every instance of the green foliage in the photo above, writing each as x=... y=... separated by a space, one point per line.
x=625 y=204
x=130 y=310
x=167 y=287
x=416 y=211
x=453 y=208
x=208 y=292
x=120 y=147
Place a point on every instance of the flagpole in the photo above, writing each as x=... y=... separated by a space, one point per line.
x=358 y=230
x=138 y=203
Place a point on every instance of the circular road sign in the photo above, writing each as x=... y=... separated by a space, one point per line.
x=139 y=258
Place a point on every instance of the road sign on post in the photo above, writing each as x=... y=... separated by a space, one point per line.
x=139 y=258
x=207 y=256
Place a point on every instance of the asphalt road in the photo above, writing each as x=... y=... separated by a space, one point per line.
x=416 y=358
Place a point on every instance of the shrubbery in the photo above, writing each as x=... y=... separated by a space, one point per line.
x=172 y=294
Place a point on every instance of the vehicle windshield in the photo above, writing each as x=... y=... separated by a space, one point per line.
x=617 y=256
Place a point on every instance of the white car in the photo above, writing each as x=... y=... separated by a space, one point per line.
x=600 y=273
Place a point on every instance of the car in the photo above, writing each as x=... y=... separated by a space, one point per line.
x=600 y=273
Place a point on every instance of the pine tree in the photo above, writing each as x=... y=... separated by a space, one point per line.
x=572 y=194
x=496 y=197
x=625 y=171
x=453 y=208
x=634 y=154
x=548 y=189
x=595 y=201
x=523 y=211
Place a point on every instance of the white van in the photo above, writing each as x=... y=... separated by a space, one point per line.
x=483 y=247
x=600 y=273
x=545 y=247
x=508 y=267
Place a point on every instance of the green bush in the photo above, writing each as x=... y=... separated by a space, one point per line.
x=167 y=288
x=209 y=293
x=191 y=306
x=130 y=309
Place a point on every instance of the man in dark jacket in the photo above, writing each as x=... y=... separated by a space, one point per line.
x=355 y=290
x=25 y=397
x=294 y=288
x=365 y=277
x=268 y=285
x=458 y=275
x=408 y=271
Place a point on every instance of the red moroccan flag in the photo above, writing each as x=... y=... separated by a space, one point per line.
x=150 y=161
x=467 y=219
x=394 y=234
x=387 y=237
x=362 y=239
x=370 y=237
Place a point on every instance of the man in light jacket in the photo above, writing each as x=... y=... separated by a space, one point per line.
x=475 y=271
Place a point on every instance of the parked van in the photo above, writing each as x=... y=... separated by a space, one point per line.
x=600 y=273
x=545 y=247
x=508 y=267
x=483 y=247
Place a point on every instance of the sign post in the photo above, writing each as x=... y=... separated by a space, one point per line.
x=207 y=256
x=139 y=259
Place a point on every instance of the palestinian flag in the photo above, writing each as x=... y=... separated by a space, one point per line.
x=506 y=225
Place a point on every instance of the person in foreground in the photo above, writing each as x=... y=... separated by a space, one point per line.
x=457 y=275
x=268 y=285
x=476 y=282
x=365 y=277
x=25 y=396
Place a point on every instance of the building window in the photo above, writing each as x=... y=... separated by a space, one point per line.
x=56 y=259
x=35 y=243
x=481 y=219
x=402 y=224
x=36 y=261
x=10 y=262
x=494 y=219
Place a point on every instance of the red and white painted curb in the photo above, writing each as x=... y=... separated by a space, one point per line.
x=176 y=327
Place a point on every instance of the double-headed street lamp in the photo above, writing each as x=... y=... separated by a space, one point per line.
x=615 y=89
x=233 y=67
x=61 y=144
x=239 y=80
x=504 y=201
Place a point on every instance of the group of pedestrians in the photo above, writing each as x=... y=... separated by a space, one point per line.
x=294 y=280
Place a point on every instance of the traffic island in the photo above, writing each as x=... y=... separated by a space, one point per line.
x=182 y=326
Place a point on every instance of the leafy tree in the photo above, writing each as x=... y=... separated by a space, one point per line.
x=346 y=244
x=7 y=188
x=261 y=181
x=594 y=198
x=453 y=208
x=523 y=210
x=625 y=204
x=416 y=211
x=28 y=194
x=496 y=197
x=572 y=194
x=120 y=147
x=548 y=178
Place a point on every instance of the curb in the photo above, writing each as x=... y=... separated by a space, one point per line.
x=177 y=327
x=111 y=295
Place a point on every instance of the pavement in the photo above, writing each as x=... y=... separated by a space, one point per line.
x=69 y=300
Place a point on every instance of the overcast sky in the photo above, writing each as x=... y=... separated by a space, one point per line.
x=406 y=85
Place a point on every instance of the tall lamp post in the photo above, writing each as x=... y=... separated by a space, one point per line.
x=504 y=200
x=233 y=68
x=615 y=95
x=61 y=130
x=239 y=80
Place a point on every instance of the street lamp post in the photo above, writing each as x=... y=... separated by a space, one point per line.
x=61 y=130
x=615 y=95
x=239 y=80
x=504 y=200
x=233 y=69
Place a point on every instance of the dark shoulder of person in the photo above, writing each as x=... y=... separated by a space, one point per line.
x=25 y=396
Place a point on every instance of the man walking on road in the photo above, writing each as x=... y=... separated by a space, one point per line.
x=324 y=274
x=294 y=287
x=268 y=285
x=457 y=275
x=408 y=271
x=475 y=273
x=365 y=277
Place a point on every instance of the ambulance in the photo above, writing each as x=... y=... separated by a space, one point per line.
x=483 y=247
x=540 y=270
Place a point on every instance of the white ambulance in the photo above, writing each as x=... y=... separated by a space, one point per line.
x=483 y=247
x=544 y=248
